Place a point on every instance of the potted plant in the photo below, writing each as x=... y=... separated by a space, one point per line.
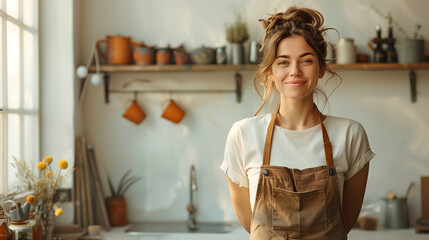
x=116 y=203
x=43 y=183
x=236 y=35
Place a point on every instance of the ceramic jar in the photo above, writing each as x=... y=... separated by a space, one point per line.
x=163 y=56
x=345 y=51
x=181 y=56
x=144 y=55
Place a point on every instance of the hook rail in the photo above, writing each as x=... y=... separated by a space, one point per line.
x=237 y=90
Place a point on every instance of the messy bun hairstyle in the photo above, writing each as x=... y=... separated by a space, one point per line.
x=304 y=22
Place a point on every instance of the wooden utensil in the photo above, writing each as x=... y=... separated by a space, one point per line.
x=408 y=190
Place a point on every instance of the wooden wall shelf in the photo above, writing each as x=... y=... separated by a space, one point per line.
x=248 y=67
x=107 y=69
x=172 y=68
x=380 y=66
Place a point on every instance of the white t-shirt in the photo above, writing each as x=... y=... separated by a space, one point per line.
x=293 y=149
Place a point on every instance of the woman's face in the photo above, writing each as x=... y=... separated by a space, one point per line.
x=296 y=70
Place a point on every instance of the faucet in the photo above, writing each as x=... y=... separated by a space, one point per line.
x=192 y=222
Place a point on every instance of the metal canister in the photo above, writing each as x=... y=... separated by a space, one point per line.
x=254 y=52
x=221 y=55
x=397 y=213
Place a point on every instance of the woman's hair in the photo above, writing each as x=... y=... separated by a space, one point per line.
x=303 y=22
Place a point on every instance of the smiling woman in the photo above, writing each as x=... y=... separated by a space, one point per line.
x=296 y=173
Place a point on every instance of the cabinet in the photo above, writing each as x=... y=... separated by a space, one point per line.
x=109 y=69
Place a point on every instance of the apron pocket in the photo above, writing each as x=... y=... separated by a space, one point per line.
x=303 y=212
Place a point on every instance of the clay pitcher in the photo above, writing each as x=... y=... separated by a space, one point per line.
x=118 y=49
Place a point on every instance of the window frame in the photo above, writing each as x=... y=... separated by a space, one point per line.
x=22 y=111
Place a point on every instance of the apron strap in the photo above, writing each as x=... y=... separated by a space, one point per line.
x=326 y=144
x=269 y=138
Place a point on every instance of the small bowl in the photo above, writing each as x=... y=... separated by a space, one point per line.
x=203 y=55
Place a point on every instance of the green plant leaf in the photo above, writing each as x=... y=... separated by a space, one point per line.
x=123 y=179
x=112 y=190
x=128 y=185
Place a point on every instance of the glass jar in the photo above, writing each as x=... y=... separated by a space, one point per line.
x=21 y=230
x=345 y=51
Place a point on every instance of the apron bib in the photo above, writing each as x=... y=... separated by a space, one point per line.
x=297 y=204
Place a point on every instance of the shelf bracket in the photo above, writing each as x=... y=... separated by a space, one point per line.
x=106 y=81
x=82 y=84
x=238 y=79
x=413 y=86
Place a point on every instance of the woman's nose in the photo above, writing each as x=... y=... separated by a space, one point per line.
x=295 y=70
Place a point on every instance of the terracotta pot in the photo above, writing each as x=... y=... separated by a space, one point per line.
x=143 y=54
x=163 y=56
x=117 y=210
x=181 y=56
x=5 y=233
x=118 y=49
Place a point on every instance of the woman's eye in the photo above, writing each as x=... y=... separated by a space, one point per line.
x=282 y=63
x=308 y=61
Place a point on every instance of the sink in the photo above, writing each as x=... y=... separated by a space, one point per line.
x=180 y=227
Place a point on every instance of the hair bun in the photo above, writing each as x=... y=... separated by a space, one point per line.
x=294 y=17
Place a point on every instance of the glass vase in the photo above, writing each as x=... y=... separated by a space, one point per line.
x=48 y=226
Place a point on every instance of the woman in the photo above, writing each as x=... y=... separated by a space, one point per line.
x=296 y=173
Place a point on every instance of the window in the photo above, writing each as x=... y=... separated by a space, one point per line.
x=19 y=86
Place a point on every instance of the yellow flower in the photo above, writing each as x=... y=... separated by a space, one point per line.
x=63 y=164
x=31 y=199
x=48 y=160
x=58 y=212
x=49 y=174
x=41 y=165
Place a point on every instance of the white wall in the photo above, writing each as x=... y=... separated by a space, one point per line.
x=162 y=153
x=57 y=87
x=57 y=80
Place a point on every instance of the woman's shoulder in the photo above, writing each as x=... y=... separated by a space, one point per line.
x=342 y=123
x=253 y=122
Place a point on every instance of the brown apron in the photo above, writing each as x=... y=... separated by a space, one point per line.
x=297 y=204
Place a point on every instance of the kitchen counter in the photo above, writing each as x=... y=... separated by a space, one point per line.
x=239 y=233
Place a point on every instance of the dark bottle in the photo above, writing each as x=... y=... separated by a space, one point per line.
x=392 y=56
x=379 y=53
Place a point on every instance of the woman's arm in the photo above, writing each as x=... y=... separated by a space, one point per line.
x=353 y=193
x=241 y=202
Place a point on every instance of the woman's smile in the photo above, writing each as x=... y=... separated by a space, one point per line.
x=295 y=83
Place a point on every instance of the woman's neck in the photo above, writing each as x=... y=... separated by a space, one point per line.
x=298 y=114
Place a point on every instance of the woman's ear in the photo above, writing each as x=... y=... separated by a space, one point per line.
x=322 y=73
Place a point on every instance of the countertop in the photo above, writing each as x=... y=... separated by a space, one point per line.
x=118 y=233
